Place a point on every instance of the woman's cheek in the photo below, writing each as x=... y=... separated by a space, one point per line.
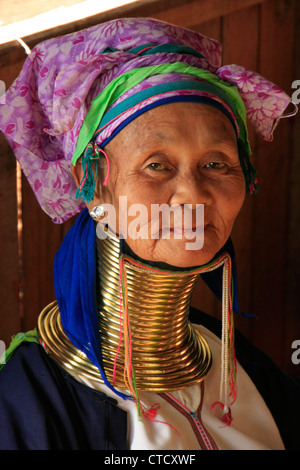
x=233 y=195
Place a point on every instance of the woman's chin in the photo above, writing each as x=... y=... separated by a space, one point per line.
x=190 y=259
x=179 y=253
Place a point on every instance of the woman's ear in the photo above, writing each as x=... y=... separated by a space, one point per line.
x=77 y=173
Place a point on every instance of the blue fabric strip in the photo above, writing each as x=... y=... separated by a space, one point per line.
x=175 y=85
x=75 y=289
x=172 y=99
x=152 y=48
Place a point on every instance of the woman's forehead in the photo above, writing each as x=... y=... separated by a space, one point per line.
x=164 y=123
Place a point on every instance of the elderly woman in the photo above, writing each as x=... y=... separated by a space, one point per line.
x=115 y=122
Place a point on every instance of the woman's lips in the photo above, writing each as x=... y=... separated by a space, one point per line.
x=182 y=232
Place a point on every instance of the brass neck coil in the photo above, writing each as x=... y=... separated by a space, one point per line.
x=167 y=352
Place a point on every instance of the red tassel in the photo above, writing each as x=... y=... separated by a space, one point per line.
x=227 y=417
x=151 y=414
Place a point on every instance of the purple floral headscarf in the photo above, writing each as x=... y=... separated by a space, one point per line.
x=43 y=111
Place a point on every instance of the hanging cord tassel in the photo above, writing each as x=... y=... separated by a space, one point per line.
x=151 y=415
x=248 y=169
x=228 y=360
x=129 y=373
x=90 y=160
x=120 y=324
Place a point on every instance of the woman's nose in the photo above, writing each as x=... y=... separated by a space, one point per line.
x=191 y=188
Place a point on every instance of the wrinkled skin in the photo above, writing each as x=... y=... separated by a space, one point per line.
x=176 y=154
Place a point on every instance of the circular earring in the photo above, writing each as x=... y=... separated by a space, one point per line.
x=97 y=212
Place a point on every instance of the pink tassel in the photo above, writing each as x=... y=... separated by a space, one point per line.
x=152 y=413
x=120 y=333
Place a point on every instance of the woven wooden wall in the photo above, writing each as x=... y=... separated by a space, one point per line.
x=260 y=35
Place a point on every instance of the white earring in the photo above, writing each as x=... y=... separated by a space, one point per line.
x=97 y=212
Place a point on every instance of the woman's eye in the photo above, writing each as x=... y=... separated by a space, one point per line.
x=157 y=166
x=215 y=165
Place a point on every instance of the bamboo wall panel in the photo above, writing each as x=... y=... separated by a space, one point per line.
x=260 y=35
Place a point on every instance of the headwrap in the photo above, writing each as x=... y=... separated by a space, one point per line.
x=76 y=91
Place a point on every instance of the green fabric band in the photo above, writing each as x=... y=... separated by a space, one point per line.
x=117 y=87
x=156 y=90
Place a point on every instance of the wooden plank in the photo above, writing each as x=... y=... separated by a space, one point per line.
x=141 y=8
x=270 y=236
x=10 y=280
x=41 y=240
x=38 y=240
x=292 y=317
x=200 y=11
x=39 y=17
x=188 y=13
x=240 y=46
x=14 y=11
x=9 y=266
x=211 y=28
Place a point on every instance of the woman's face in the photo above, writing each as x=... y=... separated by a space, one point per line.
x=181 y=155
